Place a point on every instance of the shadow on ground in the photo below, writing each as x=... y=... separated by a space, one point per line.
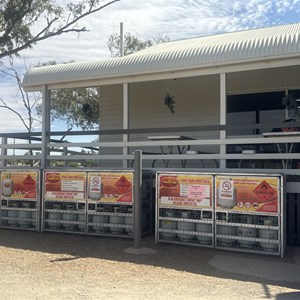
x=288 y=296
x=179 y=257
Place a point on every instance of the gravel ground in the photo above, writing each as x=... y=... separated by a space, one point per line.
x=60 y=266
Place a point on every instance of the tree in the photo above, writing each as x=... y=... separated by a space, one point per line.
x=18 y=18
x=29 y=103
x=77 y=107
x=132 y=43
x=84 y=111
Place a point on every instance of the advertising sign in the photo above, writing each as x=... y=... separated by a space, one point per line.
x=110 y=187
x=64 y=186
x=186 y=190
x=248 y=193
x=17 y=184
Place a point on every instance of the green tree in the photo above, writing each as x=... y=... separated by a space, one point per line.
x=19 y=19
x=18 y=31
x=76 y=107
x=80 y=107
x=132 y=43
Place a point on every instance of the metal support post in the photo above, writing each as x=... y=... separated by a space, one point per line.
x=45 y=125
x=137 y=199
x=3 y=151
x=223 y=111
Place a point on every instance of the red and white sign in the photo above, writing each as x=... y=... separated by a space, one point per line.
x=65 y=185
x=264 y=191
x=186 y=190
x=123 y=184
x=110 y=187
x=95 y=184
x=226 y=189
x=250 y=193
x=17 y=184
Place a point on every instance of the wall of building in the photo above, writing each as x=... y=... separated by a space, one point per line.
x=196 y=104
x=263 y=80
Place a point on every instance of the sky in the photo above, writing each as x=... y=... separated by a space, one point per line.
x=177 y=19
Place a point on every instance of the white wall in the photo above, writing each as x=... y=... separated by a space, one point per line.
x=197 y=103
x=263 y=80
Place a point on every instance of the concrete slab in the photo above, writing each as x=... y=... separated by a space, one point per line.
x=268 y=269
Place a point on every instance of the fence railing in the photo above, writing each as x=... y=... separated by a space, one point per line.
x=200 y=148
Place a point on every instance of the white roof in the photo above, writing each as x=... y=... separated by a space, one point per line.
x=204 y=52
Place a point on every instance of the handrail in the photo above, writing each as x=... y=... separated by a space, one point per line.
x=69 y=154
x=146 y=143
x=200 y=128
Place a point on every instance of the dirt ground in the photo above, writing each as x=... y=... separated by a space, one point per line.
x=61 y=266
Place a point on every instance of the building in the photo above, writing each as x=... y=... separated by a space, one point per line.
x=229 y=92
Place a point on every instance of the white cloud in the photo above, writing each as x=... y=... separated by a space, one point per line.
x=178 y=19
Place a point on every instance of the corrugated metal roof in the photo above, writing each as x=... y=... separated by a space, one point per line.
x=227 y=48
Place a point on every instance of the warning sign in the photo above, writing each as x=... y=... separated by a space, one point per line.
x=123 y=184
x=110 y=187
x=20 y=184
x=29 y=181
x=96 y=180
x=227 y=185
x=95 y=186
x=226 y=190
x=264 y=191
x=248 y=193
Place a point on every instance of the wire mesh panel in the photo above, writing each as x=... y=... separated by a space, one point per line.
x=64 y=201
x=110 y=198
x=65 y=216
x=20 y=204
x=110 y=219
x=193 y=227
x=248 y=213
x=184 y=209
x=110 y=203
x=241 y=212
x=93 y=202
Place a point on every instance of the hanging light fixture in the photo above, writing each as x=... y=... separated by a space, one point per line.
x=170 y=102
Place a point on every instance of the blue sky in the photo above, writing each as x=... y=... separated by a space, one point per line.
x=178 y=19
